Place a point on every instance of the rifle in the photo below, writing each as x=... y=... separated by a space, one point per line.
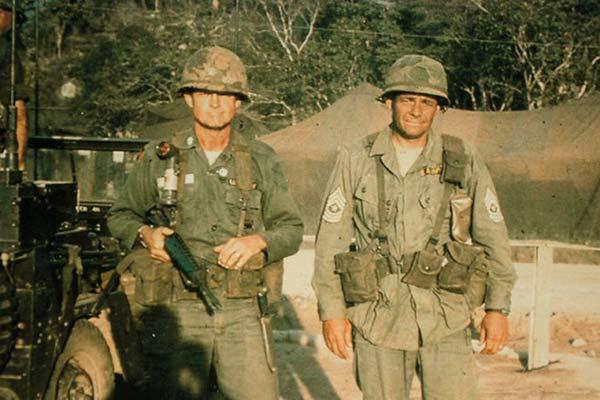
x=195 y=276
x=164 y=215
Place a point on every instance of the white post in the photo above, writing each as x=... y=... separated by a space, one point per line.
x=539 y=320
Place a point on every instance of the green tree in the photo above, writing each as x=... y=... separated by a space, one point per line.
x=524 y=55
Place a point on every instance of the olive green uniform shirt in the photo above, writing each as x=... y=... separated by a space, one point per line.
x=209 y=200
x=405 y=312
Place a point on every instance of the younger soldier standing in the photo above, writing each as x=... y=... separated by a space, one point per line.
x=410 y=240
x=233 y=206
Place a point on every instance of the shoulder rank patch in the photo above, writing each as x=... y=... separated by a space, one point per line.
x=334 y=207
x=492 y=206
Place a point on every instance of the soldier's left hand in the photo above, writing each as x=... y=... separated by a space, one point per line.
x=493 y=332
x=237 y=251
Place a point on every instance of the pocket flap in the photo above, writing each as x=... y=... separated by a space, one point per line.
x=155 y=271
x=429 y=263
x=351 y=261
x=463 y=254
x=455 y=159
x=254 y=199
x=233 y=196
x=366 y=192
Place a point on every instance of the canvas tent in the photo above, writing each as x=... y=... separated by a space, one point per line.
x=546 y=163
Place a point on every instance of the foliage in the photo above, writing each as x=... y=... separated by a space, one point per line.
x=304 y=55
x=527 y=54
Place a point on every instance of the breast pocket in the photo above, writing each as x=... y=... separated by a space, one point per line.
x=365 y=200
x=235 y=203
x=429 y=205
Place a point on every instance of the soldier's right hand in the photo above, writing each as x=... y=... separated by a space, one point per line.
x=338 y=336
x=154 y=240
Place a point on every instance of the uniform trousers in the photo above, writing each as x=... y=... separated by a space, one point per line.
x=181 y=342
x=445 y=368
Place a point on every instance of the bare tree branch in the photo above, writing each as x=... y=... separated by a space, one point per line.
x=478 y=4
x=288 y=13
x=276 y=31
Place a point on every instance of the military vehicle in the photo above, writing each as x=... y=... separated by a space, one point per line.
x=66 y=328
x=66 y=332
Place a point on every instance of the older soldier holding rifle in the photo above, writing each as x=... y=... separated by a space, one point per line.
x=216 y=204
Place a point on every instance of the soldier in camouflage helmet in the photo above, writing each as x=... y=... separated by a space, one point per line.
x=215 y=69
x=410 y=241
x=417 y=74
x=233 y=208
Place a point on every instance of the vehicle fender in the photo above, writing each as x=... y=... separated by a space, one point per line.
x=115 y=322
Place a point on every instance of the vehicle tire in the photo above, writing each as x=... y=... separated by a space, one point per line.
x=84 y=370
x=8 y=318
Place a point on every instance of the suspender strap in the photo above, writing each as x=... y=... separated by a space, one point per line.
x=244 y=172
x=244 y=167
x=180 y=166
x=454 y=161
x=453 y=174
x=439 y=220
x=380 y=198
x=381 y=236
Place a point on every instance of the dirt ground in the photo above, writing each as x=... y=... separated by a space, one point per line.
x=308 y=371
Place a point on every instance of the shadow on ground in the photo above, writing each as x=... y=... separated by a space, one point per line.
x=169 y=361
x=300 y=374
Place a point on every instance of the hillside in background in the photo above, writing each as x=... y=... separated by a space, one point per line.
x=100 y=64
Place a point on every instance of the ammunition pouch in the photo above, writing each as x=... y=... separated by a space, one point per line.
x=424 y=269
x=241 y=283
x=183 y=289
x=153 y=282
x=253 y=277
x=361 y=273
x=463 y=260
x=461 y=269
x=465 y=273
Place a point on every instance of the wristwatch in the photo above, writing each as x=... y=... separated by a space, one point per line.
x=502 y=311
x=140 y=238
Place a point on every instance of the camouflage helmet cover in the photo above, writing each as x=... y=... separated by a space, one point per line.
x=417 y=74
x=5 y=5
x=215 y=69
